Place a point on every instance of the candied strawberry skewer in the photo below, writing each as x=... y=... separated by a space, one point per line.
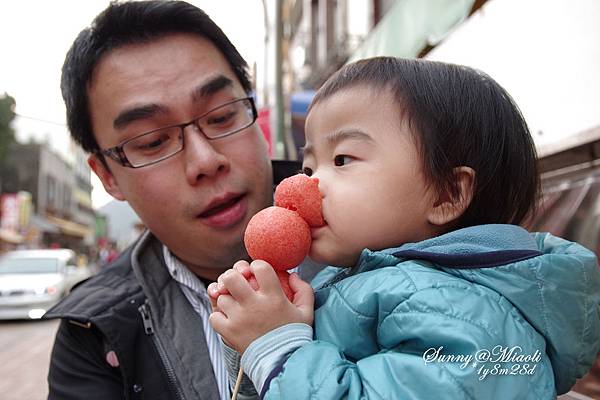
x=280 y=235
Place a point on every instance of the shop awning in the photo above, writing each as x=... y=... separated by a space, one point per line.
x=82 y=197
x=412 y=25
x=42 y=224
x=70 y=227
x=299 y=101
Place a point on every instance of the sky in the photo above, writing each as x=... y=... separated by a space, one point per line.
x=35 y=36
x=545 y=54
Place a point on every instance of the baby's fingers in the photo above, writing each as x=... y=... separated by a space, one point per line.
x=218 y=320
x=213 y=295
x=243 y=268
x=236 y=284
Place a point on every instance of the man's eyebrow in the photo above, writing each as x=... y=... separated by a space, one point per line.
x=137 y=113
x=211 y=87
x=150 y=110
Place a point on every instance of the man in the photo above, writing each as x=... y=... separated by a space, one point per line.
x=161 y=99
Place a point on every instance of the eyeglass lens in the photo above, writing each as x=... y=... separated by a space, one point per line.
x=160 y=144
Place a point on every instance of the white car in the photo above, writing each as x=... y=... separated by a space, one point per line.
x=32 y=281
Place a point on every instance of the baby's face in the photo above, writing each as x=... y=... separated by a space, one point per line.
x=370 y=176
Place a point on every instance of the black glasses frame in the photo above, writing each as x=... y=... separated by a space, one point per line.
x=118 y=154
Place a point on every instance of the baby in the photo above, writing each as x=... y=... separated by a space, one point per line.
x=426 y=171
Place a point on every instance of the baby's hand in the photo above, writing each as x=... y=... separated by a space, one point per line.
x=216 y=289
x=245 y=313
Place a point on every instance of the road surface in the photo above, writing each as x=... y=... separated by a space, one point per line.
x=25 y=348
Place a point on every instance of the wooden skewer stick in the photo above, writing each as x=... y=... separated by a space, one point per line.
x=238 y=381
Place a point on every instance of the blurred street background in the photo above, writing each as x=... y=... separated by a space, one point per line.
x=24 y=354
x=546 y=53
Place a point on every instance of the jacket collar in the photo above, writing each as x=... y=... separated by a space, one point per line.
x=482 y=246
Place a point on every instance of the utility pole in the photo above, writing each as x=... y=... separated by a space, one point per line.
x=266 y=39
x=280 y=148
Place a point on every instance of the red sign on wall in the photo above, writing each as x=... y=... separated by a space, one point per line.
x=264 y=124
x=9 y=209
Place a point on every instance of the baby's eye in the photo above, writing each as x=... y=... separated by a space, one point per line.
x=342 y=159
x=307 y=171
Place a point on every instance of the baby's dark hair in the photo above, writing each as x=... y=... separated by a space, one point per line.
x=461 y=117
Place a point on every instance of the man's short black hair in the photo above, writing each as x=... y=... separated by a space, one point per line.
x=128 y=23
x=460 y=117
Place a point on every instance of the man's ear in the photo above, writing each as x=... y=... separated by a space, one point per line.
x=105 y=175
x=447 y=208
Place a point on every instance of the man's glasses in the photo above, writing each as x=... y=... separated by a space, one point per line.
x=160 y=144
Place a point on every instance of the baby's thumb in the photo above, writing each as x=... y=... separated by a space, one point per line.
x=213 y=295
x=303 y=292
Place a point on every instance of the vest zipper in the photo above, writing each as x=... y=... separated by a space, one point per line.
x=144 y=310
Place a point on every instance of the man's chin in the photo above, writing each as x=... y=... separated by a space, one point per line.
x=222 y=257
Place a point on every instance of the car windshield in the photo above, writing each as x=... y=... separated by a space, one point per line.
x=28 y=266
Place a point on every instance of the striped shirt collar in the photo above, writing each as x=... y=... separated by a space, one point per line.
x=180 y=273
x=195 y=292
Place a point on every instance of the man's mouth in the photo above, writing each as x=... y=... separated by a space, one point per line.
x=226 y=213
x=220 y=207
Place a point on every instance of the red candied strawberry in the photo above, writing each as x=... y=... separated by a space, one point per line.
x=278 y=236
x=300 y=193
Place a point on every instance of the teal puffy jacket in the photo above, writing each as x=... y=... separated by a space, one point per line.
x=487 y=312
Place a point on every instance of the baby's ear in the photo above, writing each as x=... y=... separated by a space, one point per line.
x=448 y=208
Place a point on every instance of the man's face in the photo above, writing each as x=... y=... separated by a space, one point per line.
x=199 y=201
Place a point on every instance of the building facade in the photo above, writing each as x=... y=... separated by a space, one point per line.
x=59 y=219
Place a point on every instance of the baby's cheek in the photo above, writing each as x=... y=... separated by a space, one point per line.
x=371 y=229
x=317 y=254
x=331 y=252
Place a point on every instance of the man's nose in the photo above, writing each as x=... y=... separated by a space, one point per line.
x=202 y=159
